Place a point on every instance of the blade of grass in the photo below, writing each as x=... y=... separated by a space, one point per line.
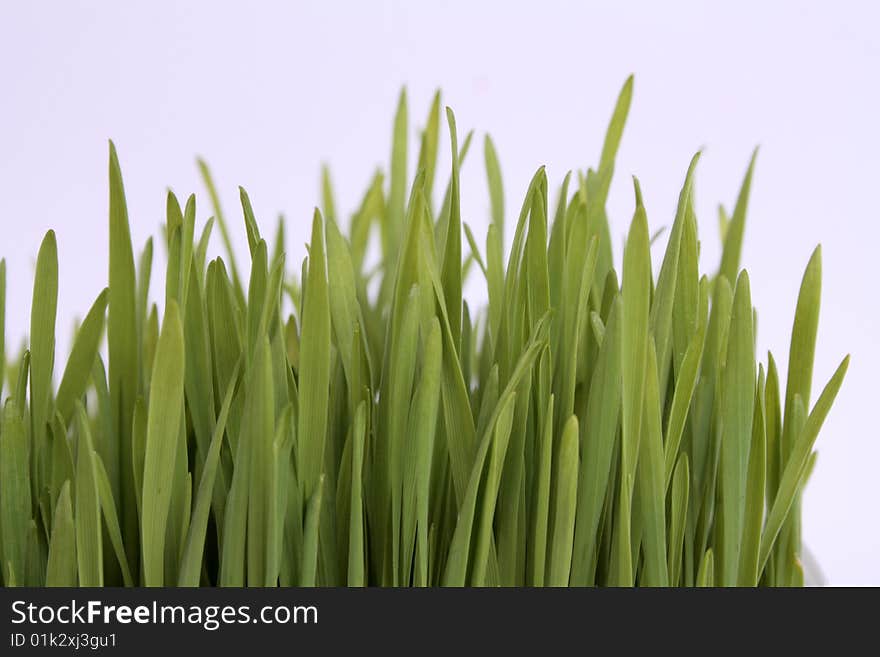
x=755 y=490
x=89 y=540
x=61 y=568
x=191 y=564
x=163 y=425
x=733 y=237
x=559 y=565
x=122 y=348
x=738 y=401
x=496 y=188
x=356 y=545
x=15 y=493
x=678 y=519
x=310 y=536
x=651 y=483
x=800 y=454
x=82 y=357
x=42 y=348
x=314 y=366
x=108 y=508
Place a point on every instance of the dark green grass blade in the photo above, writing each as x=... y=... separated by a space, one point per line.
x=15 y=493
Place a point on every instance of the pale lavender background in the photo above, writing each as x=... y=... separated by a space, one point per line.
x=266 y=94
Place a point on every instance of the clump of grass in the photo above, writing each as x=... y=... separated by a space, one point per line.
x=360 y=425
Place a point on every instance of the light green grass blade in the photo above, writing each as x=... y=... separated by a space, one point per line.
x=402 y=364
x=685 y=387
x=163 y=425
x=490 y=496
x=738 y=401
x=458 y=562
x=345 y=310
x=803 y=343
x=122 y=348
x=82 y=357
x=309 y=567
x=541 y=524
x=392 y=228
x=733 y=238
x=636 y=295
x=258 y=430
x=224 y=229
x=430 y=140
x=424 y=417
x=250 y=221
x=328 y=203
x=200 y=255
x=755 y=490
x=685 y=307
x=451 y=266
x=559 y=566
x=663 y=303
x=198 y=374
x=314 y=366
x=496 y=187
x=706 y=574
x=615 y=127
x=651 y=482
x=61 y=568
x=42 y=338
x=799 y=457
x=598 y=447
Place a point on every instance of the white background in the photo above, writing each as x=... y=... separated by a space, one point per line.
x=266 y=94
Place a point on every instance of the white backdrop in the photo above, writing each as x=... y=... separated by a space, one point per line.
x=267 y=93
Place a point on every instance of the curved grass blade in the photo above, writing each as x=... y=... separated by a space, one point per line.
x=108 y=508
x=733 y=236
x=82 y=357
x=706 y=574
x=799 y=458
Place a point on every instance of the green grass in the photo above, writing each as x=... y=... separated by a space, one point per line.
x=351 y=422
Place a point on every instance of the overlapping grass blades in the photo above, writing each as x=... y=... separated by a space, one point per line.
x=354 y=421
